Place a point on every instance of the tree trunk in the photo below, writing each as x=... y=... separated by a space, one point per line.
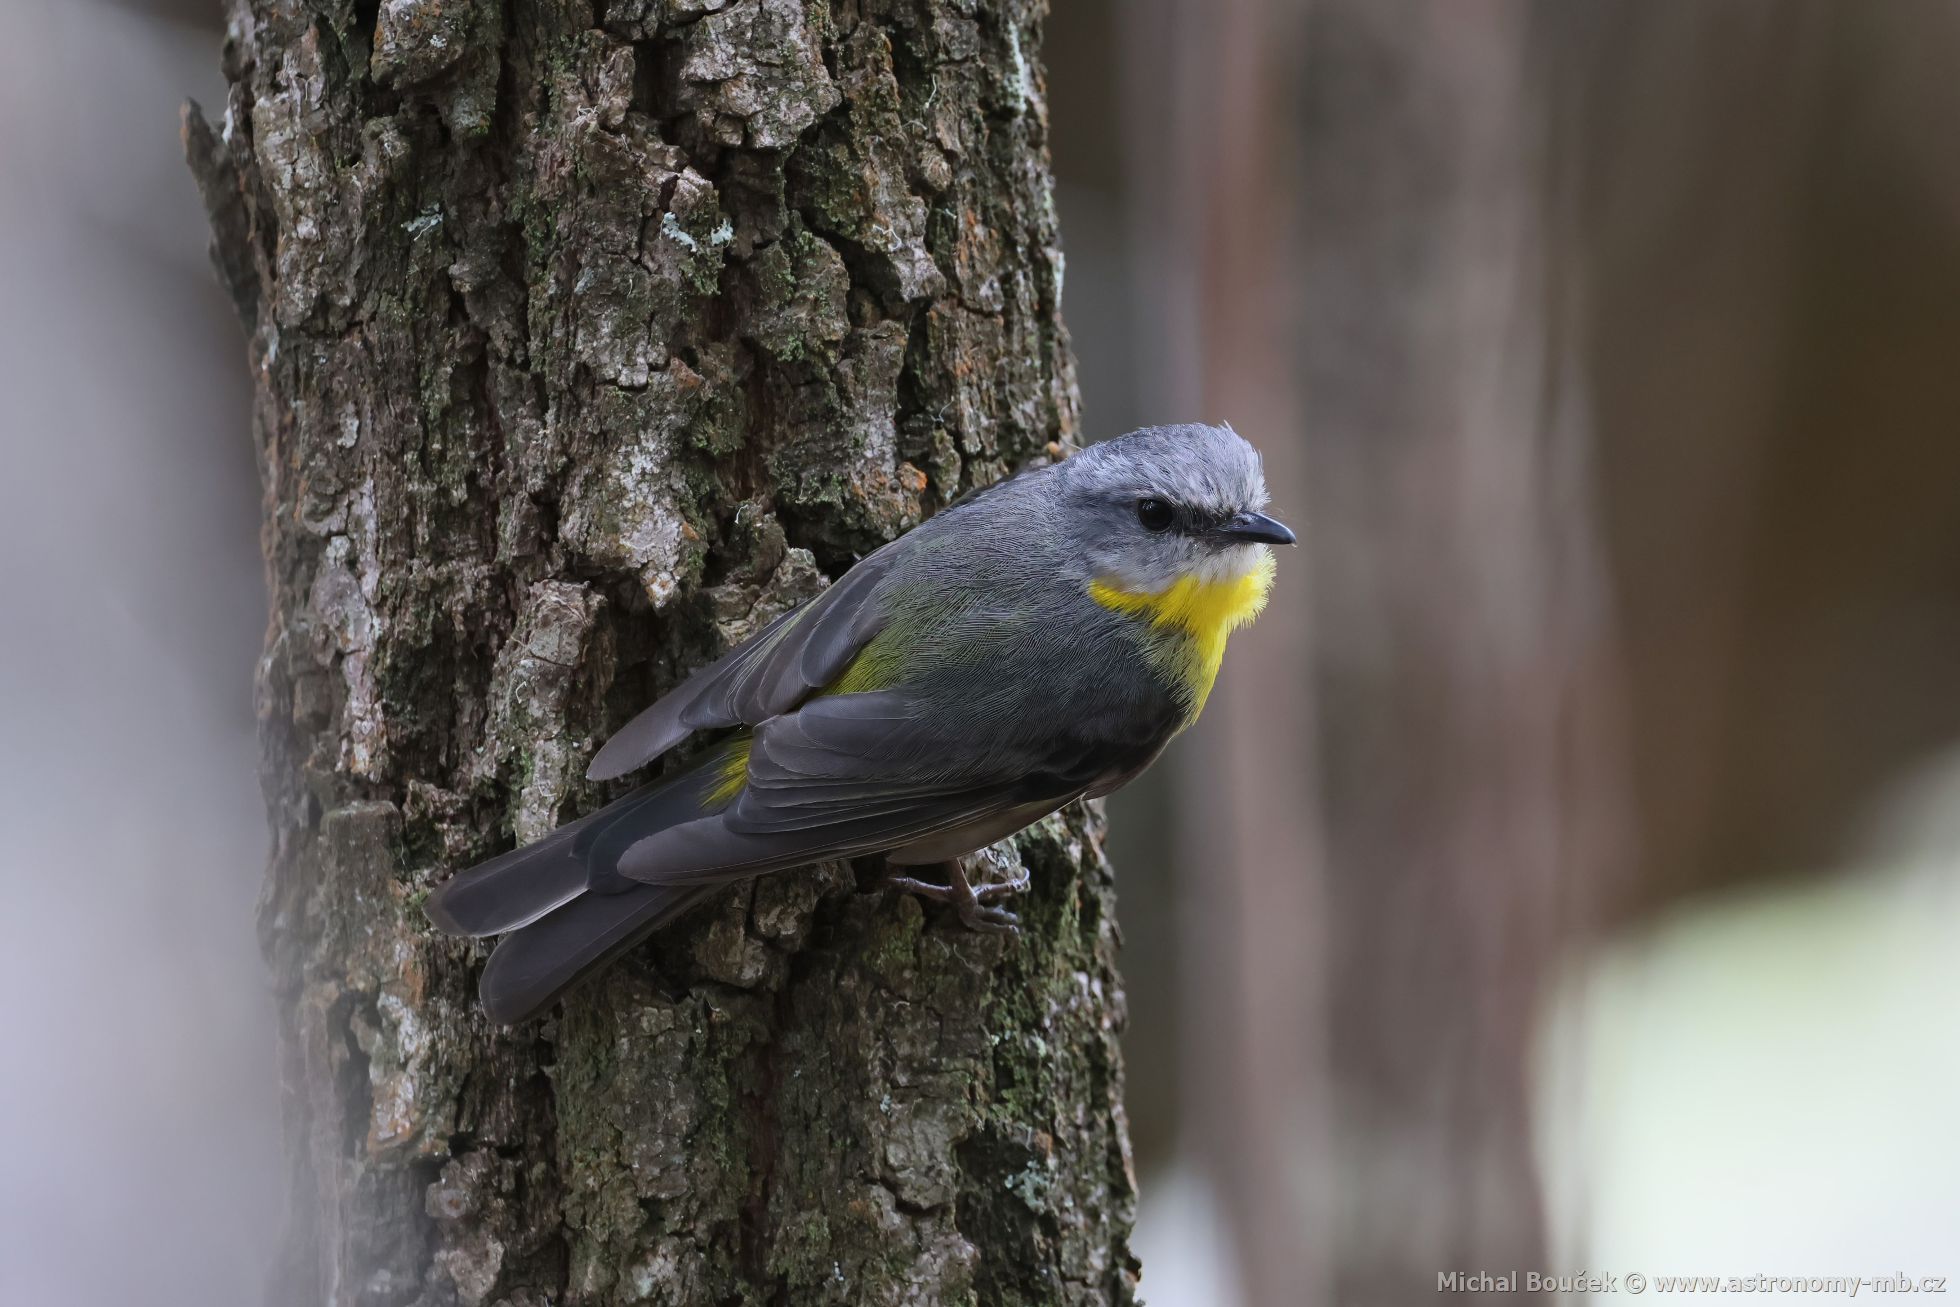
x=587 y=337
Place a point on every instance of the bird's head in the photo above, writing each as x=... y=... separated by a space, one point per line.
x=1170 y=505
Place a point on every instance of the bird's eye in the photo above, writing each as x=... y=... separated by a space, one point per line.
x=1155 y=514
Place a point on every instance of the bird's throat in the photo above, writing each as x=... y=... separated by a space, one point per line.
x=1190 y=619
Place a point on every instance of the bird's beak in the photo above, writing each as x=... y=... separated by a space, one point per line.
x=1246 y=528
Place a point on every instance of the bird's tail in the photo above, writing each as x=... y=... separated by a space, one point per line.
x=534 y=966
x=562 y=909
x=514 y=889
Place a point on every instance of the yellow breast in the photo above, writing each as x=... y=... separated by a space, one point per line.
x=1190 y=621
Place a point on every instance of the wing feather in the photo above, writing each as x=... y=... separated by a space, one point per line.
x=842 y=776
x=769 y=674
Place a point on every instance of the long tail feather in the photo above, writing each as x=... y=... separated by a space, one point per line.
x=512 y=890
x=561 y=905
x=533 y=967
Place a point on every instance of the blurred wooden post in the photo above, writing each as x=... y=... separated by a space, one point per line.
x=1605 y=308
x=1378 y=305
x=1212 y=146
x=1465 y=652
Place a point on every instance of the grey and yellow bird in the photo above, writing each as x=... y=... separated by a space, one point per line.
x=1034 y=644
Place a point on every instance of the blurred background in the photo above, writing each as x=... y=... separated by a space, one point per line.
x=1567 y=874
x=139 y=1112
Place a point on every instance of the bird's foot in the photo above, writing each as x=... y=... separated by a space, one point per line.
x=977 y=906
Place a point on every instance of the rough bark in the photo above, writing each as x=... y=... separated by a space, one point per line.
x=586 y=337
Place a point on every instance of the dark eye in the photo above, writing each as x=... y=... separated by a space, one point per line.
x=1155 y=514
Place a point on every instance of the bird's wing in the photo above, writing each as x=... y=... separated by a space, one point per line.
x=770 y=673
x=852 y=774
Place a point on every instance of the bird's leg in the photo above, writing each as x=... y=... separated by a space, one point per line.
x=974 y=905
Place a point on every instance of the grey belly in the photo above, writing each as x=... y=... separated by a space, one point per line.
x=961 y=840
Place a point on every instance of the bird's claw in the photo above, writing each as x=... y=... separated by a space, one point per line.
x=974 y=905
x=989 y=920
x=1000 y=889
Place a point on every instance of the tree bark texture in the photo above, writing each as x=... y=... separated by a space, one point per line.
x=587 y=337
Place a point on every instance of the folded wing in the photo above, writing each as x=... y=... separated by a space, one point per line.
x=841 y=776
x=772 y=672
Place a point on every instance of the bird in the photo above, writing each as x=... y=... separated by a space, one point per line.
x=1036 y=642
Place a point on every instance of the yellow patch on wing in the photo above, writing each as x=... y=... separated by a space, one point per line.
x=914 y=619
x=1202 y=612
x=875 y=667
x=733 y=770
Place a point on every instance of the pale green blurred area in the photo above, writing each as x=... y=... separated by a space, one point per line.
x=1763 y=1082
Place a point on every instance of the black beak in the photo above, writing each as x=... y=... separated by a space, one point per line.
x=1246 y=528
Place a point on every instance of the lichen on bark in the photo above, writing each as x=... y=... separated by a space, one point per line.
x=586 y=337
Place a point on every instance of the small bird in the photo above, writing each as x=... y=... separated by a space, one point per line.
x=1035 y=643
